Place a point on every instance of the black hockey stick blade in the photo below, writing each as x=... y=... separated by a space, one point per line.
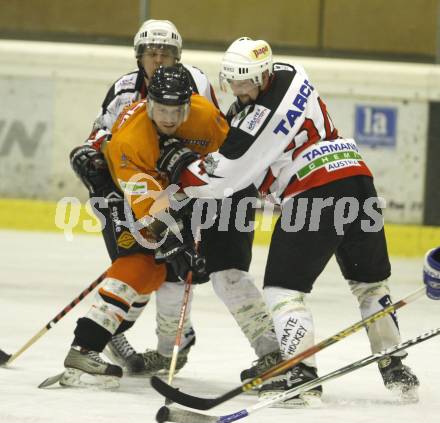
x=51 y=380
x=175 y=395
x=4 y=358
x=163 y=414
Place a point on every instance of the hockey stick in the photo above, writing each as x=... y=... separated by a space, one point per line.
x=186 y=295
x=185 y=301
x=200 y=403
x=177 y=415
x=8 y=358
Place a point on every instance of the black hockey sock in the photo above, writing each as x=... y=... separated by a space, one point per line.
x=124 y=326
x=90 y=335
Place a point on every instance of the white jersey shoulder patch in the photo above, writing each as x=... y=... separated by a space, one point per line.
x=126 y=82
x=253 y=121
x=282 y=67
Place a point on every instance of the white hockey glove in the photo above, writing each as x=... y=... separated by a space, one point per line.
x=431 y=273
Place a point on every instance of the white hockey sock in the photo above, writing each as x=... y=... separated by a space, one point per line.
x=373 y=297
x=293 y=321
x=244 y=301
x=137 y=307
x=108 y=312
x=168 y=305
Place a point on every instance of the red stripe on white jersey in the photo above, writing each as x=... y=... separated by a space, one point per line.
x=323 y=177
x=187 y=179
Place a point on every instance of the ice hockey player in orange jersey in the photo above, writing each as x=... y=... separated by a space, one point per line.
x=169 y=111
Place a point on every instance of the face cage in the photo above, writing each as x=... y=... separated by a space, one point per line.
x=184 y=113
x=146 y=48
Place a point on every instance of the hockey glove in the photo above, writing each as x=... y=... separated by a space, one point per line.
x=431 y=273
x=181 y=256
x=91 y=167
x=174 y=157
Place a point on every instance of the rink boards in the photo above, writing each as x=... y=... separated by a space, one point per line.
x=33 y=215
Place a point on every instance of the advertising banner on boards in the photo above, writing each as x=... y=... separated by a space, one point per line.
x=26 y=126
x=391 y=135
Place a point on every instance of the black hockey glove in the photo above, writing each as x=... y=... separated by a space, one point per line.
x=91 y=167
x=174 y=157
x=182 y=257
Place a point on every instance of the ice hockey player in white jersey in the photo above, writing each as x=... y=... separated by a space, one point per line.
x=284 y=142
x=158 y=43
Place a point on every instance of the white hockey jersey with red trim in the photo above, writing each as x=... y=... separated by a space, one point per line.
x=129 y=89
x=285 y=143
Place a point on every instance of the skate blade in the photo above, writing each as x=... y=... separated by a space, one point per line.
x=405 y=395
x=163 y=373
x=251 y=392
x=304 y=400
x=78 y=379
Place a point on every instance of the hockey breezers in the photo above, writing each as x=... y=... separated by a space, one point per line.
x=200 y=403
x=177 y=415
x=8 y=358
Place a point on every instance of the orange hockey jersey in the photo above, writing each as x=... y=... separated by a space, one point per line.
x=133 y=150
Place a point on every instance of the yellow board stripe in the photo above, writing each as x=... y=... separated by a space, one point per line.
x=34 y=215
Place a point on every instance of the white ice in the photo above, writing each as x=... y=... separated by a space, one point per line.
x=41 y=273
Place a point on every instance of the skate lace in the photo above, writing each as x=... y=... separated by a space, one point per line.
x=267 y=361
x=93 y=355
x=121 y=343
x=153 y=359
x=295 y=373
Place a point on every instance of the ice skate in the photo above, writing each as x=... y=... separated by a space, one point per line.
x=158 y=364
x=295 y=377
x=119 y=351
x=260 y=366
x=86 y=368
x=399 y=379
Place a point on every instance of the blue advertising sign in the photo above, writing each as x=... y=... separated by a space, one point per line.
x=375 y=126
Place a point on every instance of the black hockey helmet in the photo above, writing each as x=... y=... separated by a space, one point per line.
x=170 y=85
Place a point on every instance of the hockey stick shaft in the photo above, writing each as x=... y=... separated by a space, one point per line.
x=207 y=403
x=185 y=301
x=57 y=318
x=183 y=416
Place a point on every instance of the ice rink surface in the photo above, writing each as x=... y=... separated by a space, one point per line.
x=40 y=273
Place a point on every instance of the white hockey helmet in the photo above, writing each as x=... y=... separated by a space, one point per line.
x=246 y=59
x=157 y=33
